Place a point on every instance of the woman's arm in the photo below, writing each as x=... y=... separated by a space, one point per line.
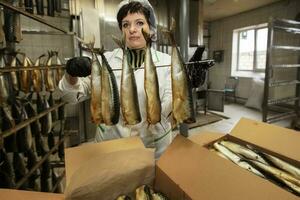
x=74 y=89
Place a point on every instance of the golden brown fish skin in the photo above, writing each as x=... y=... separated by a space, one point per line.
x=2 y=34
x=129 y=97
x=14 y=74
x=110 y=102
x=153 y=104
x=49 y=78
x=4 y=93
x=59 y=71
x=143 y=192
x=96 y=82
x=37 y=76
x=25 y=76
x=182 y=103
x=123 y=197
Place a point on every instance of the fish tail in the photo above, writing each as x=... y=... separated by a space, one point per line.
x=89 y=45
x=147 y=37
x=43 y=55
x=102 y=50
x=170 y=33
x=119 y=42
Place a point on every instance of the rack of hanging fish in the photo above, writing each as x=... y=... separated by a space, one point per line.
x=106 y=102
x=12 y=13
x=31 y=122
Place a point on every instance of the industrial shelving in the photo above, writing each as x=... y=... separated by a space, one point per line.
x=58 y=105
x=287 y=27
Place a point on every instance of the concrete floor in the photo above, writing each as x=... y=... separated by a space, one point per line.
x=234 y=112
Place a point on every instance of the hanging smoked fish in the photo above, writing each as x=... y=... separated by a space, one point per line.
x=95 y=105
x=31 y=162
x=61 y=147
x=46 y=184
x=17 y=28
x=39 y=7
x=34 y=126
x=129 y=97
x=24 y=137
x=9 y=25
x=182 y=100
x=61 y=111
x=51 y=103
x=46 y=121
x=29 y=6
x=10 y=142
x=20 y=168
x=7 y=177
x=57 y=4
x=51 y=140
x=2 y=34
x=110 y=101
x=59 y=71
x=4 y=88
x=15 y=74
x=40 y=145
x=50 y=8
x=37 y=76
x=151 y=86
x=49 y=78
x=25 y=75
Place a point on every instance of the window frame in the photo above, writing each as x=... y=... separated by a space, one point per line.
x=238 y=32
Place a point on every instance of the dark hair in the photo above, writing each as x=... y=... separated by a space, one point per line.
x=132 y=7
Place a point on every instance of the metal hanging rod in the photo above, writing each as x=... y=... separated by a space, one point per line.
x=23 y=180
x=30 y=120
x=287 y=21
x=41 y=67
x=187 y=63
x=20 y=11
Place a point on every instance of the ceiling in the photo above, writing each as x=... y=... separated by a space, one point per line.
x=217 y=9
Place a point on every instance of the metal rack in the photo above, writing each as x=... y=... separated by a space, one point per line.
x=13 y=130
x=287 y=27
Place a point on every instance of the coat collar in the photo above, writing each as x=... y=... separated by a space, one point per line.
x=119 y=54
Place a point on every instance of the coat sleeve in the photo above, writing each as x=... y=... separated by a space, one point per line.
x=165 y=84
x=82 y=89
x=77 y=92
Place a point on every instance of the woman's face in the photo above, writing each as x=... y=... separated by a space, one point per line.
x=132 y=26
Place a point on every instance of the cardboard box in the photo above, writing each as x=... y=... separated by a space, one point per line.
x=202 y=174
x=188 y=170
x=75 y=156
x=7 y=194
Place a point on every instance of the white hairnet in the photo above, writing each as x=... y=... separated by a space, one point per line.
x=148 y=6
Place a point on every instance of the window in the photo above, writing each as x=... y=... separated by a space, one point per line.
x=250 y=49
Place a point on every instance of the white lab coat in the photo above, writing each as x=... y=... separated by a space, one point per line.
x=162 y=131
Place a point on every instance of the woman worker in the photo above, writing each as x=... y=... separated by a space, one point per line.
x=132 y=17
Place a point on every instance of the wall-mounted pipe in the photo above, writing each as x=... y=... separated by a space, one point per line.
x=184 y=28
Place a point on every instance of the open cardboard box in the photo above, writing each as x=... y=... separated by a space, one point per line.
x=188 y=170
x=202 y=174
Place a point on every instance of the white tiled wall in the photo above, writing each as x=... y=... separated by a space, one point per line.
x=221 y=39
